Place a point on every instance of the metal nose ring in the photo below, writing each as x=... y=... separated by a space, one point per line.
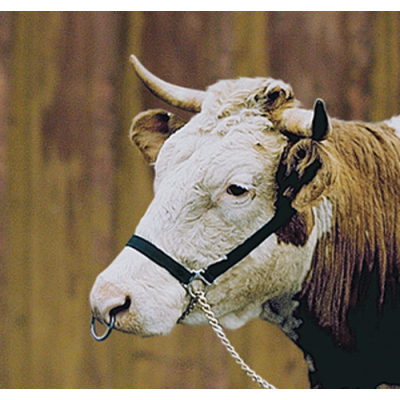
x=108 y=331
x=110 y=327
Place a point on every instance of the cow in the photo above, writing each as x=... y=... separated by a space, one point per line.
x=327 y=275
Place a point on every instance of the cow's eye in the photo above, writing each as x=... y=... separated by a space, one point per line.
x=236 y=190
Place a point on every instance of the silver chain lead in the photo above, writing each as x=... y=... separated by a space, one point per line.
x=212 y=320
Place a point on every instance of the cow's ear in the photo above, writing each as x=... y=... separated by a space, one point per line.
x=277 y=95
x=305 y=172
x=150 y=129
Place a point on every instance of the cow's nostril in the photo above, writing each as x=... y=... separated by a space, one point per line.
x=123 y=307
x=113 y=312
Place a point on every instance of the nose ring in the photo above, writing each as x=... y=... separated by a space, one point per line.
x=108 y=331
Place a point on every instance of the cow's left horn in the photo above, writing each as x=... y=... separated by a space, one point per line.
x=183 y=98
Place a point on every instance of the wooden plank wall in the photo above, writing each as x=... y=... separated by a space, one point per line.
x=72 y=189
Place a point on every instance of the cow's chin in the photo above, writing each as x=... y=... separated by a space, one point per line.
x=163 y=325
x=144 y=327
x=141 y=331
x=229 y=320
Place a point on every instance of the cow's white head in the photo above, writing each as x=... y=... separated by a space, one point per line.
x=214 y=186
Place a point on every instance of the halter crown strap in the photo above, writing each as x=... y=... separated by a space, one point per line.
x=213 y=271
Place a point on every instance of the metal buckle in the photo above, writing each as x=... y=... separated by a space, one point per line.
x=197 y=276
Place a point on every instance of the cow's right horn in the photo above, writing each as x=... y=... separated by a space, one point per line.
x=183 y=98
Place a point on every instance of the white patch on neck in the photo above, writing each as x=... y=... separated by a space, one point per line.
x=323 y=215
x=395 y=124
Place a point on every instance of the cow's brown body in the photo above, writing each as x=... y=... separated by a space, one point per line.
x=350 y=300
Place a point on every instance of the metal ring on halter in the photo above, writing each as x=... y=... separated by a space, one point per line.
x=108 y=331
x=197 y=277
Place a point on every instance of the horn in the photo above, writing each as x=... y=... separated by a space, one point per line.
x=296 y=122
x=183 y=98
x=299 y=123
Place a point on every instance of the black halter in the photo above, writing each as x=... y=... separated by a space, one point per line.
x=288 y=185
x=289 y=180
x=208 y=275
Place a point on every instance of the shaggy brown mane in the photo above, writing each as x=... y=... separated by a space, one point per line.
x=365 y=237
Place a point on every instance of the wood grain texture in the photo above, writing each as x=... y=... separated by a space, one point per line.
x=72 y=188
